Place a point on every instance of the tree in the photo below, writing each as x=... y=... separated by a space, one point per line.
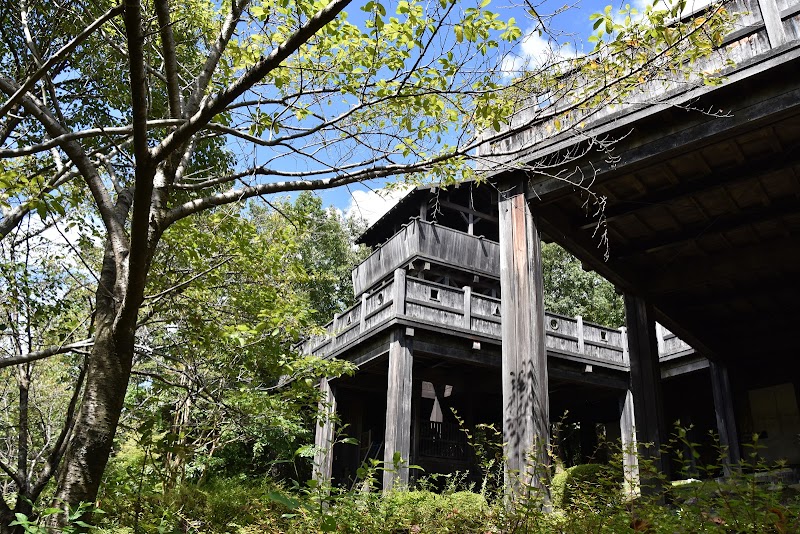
x=158 y=112
x=569 y=290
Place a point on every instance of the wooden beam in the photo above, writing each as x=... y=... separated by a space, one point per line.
x=718 y=225
x=646 y=386
x=453 y=353
x=655 y=142
x=397 y=441
x=753 y=170
x=325 y=435
x=726 y=419
x=524 y=358
x=740 y=263
x=630 y=457
x=468 y=211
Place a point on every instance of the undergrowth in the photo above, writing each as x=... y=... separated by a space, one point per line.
x=583 y=499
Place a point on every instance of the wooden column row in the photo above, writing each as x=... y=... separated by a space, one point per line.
x=524 y=364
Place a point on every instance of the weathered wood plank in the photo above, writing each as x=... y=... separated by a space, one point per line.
x=524 y=357
x=646 y=384
x=630 y=459
x=398 y=409
x=428 y=241
x=724 y=412
x=324 y=436
x=772 y=20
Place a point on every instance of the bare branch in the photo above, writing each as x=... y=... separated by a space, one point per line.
x=225 y=34
x=45 y=353
x=74 y=150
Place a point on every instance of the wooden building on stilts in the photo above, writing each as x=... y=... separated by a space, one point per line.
x=702 y=217
x=426 y=334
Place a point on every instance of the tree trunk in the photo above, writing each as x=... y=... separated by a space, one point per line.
x=108 y=372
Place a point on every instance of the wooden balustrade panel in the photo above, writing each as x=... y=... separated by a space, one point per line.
x=562 y=333
x=459 y=248
x=349 y=326
x=606 y=354
x=379 y=306
x=602 y=343
x=388 y=257
x=789 y=11
x=434 y=303
x=485 y=316
x=430 y=242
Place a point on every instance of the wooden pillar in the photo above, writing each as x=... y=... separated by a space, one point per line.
x=771 y=14
x=645 y=385
x=362 y=322
x=526 y=418
x=325 y=433
x=726 y=418
x=399 y=292
x=416 y=399
x=397 y=440
x=630 y=459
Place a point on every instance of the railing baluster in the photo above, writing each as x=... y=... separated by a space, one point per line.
x=581 y=342
x=625 y=357
x=362 y=323
x=468 y=307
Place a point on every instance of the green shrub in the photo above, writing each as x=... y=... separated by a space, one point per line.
x=583 y=478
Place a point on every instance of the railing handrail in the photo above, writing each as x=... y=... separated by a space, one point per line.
x=463 y=313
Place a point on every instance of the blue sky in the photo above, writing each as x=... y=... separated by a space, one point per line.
x=570 y=27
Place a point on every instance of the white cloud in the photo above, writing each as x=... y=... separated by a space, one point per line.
x=535 y=51
x=371 y=205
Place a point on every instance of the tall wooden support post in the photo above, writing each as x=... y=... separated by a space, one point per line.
x=646 y=386
x=526 y=417
x=630 y=459
x=325 y=434
x=397 y=441
x=726 y=419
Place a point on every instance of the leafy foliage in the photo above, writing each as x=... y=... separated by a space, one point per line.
x=569 y=290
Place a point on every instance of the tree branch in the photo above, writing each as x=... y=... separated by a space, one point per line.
x=225 y=34
x=263 y=67
x=55 y=58
x=74 y=150
x=170 y=59
x=45 y=353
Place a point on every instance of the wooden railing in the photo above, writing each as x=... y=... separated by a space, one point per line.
x=428 y=241
x=763 y=28
x=442 y=440
x=459 y=310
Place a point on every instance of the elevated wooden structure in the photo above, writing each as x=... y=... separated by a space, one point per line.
x=427 y=333
x=702 y=217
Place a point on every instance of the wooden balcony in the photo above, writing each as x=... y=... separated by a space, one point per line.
x=426 y=304
x=428 y=241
